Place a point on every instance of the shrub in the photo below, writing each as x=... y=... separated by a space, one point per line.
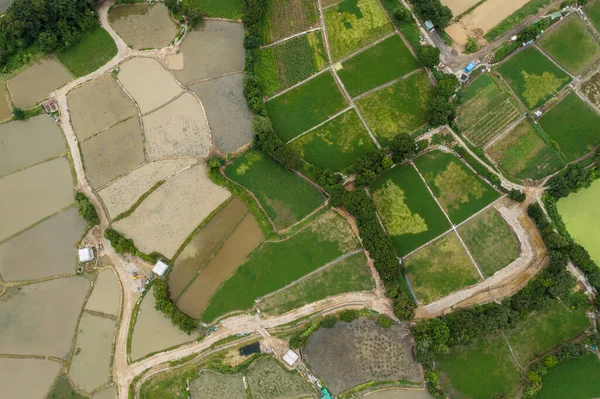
x=19 y=114
x=516 y=195
x=433 y=10
x=348 y=315
x=215 y=162
x=86 y=208
x=447 y=84
x=402 y=147
x=472 y=45
x=385 y=321
x=429 y=56
x=439 y=112
x=328 y=322
x=401 y=15
x=164 y=304
x=266 y=140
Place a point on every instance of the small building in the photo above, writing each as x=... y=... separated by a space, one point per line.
x=85 y=254
x=290 y=357
x=537 y=114
x=470 y=67
x=429 y=26
x=160 y=268
x=49 y=106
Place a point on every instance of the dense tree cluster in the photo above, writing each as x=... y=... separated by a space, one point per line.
x=266 y=140
x=429 y=56
x=165 y=305
x=434 y=11
x=86 y=208
x=126 y=245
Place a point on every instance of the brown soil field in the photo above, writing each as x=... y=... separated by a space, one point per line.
x=98 y=105
x=148 y=82
x=170 y=214
x=398 y=394
x=210 y=385
x=353 y=353
x=202 y=246
x=45 y=250
x=5 y=111
x=268 y=379
x=90 y=365
x=24 y=143
x=37 y=82
x=457 y=33
x=212 y=49
x=113 y=152
x=106 y=294
x=33 y=194
x=27 y=378
x=143 y=26
x=490 y=14
x=244 y=239
x=228 y=115
x=459 y=6
x=178 y=129
x=109 y=393
x=40 y=319
x=122 y=194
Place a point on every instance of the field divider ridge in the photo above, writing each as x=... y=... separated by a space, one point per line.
x=295 y=35
x=365 y=48
x=297 y=84
x=468 y=253
x=554 y=61
x=390 y=83
x=324 y=30
x=512 y=352
x=320 y=124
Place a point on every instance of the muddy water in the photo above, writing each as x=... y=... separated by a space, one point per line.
x=36 y=82
x=231 y=255
x=106 y=295
x=33 y=194
x=27 y=378
x=24 y=143
x=398 y=394
x=201 y=247
x=91 y=360
x=4 y=5
x=108 y=393
x=5 y=112
x=143 y=26
x=45 y=250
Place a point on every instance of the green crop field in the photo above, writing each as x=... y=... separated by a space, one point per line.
x=386 y=61
x=440 y=268
x=545 y=330
x=524 y=155
x=592 y=10
x=490 y=240
x=399 y=108
x=483 y=369
x=336 y=144
x=231 y=9
x=571 y=44
x=277 y=264
x=460 y=191
x=407 y=209
x=573 y=125
x=286 y=197
x=533 y=76
x=353 y=24
x=267 y=71
x=574 y=379
x=305 y=106
x=288 y=17
x=94 y=49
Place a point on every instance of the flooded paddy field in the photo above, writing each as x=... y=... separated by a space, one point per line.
x=212 y=49
x=398 y=394
x=123 y=193
x=90 y=366
x=170 y=214
x=47 y=249
x=5 y=111
x=143 y=26
x=40 y=319
x=354 y=353
x=113 y=152
x=177 y=129
x=24 y=143
x=37 y=82
x=106 y=295
x=148 y=82
x=33 y=194
x=27 y=378
x=268 y=379
x=109 y=393
x=153 y=332
x=98 y=105
x=210 y=384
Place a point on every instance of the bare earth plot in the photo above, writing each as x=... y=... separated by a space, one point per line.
x=106 y=294
x=5 y=111
x=459 y=6
x=490 y=14
x=143 y=26
x=36 y=82
x=17 y=376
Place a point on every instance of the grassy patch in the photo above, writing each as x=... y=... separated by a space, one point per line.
x=277 y=264
x=231 y=9
x=353 y=24
x=440 y=268
x=386 y=61
x=305 y=106
x=407 y=209
x=399 y=108
x=458 y=189
x=533 y=77
x=301 y=57
x=349 y=275
x=574 y=378
x=592 y=10
x=287 y=17
x=286 y=197
x=336 y=144
x=267 y=71
x=509 y=22
x=94 y=49
x=62 y=389
x=573 y=125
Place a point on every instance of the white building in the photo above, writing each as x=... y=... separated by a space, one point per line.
x=160 y=268
x=290 y=357
x=85 y=254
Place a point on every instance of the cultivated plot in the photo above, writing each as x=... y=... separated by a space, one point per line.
x=16 y=376
x=289 y=17
x=573 y=378
x=591 y=88
x=108 y=393
x=592 y=10
x=94 y=48
x=268 y=379
x=215 y=385
x=5 y=109
x=106 y=294
x=459 y=6
x=36 y=82
x=400 y=394
x=489 y=14
x=143 y=26
x=231 y=9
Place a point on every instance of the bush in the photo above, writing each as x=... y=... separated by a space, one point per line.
x=86 y=208
x=401 y=15
x=516 y=195
x=447 y=85
x=164 y=304
x=328 y=322
x=215 y=162
x=439 y=112
x=385 y=321
x=19 y=114
x=429 y=56
x=433 y=10
x=348 y=315
x=126 y=245
x=472 y=45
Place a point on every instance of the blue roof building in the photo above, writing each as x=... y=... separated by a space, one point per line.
x=470 y=67
x=325 y=394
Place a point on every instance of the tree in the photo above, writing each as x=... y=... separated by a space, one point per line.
x=266 y=140
x=447 y=84
x=429 y=56
x=402 y=147
x=472 y=45
x=192 y=12
x=48 y=42
x=86 y=208
x=348 y=315
x=172 y=5
x=328 y=322
x=439 y=112
x=402 y=15
x=19 y=114
x=516 y=195
x=385 y=321
x=433 y=10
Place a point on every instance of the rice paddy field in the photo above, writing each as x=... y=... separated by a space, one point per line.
x=5 y=109
x=94 y=49
x=286 y=18
x=267 y=379
x=16 y=376
x=62 y=388
x=106 y=294
x=286 y=197
x=407 y=209
x=592 y=10
x=573 y=378
x=143 y=26
x=37 y=81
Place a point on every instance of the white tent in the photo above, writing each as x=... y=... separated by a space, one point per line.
x=290 y=357
x=85 y=254
x=160 y=268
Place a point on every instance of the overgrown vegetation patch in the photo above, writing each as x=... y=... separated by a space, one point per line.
x=95 y=48
x=267 y=379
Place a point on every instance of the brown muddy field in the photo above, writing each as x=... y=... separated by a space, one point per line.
x=45 y=250
x=234 y=250
x=228 y=115
x=203 y=245
x=106 y=294
x=37 y=82
x=108 y=393
x=113 y=152
x=24 y=143
x=98 y=105
x=212 y=49
x=398 y=394
x=143 y=26
x=40 y=319
x=5 y=111
x=353 y=353
x=27 y=378
x=33 y=194
x=177 y=129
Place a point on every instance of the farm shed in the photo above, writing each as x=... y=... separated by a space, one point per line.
x=50 y=106
x=85 y=254
x=325 y=393
x=290 y=357
x=160 y=268
x=470 y=67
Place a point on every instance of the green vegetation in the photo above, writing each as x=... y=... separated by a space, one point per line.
x=286 y=197
x=386 y=61
x=573 y=125
x=433 y=10
x=505 y=49
x=592 y=10
x=336 y=144
x=86 y=208
x=353 y=24
x=231 y=9
x=267 y=71
x=574 y=378
x=62 y=389
x=165 y=305
x=288 y=17
x=95 y=48
x=399 y=108
x=533 y=77
x=305 y=106
x=515 y=18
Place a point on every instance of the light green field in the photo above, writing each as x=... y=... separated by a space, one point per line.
x=95 y=48
x=574 y=379
x=593 y=12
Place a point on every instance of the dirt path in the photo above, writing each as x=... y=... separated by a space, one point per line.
x=512 y=352
x=285 y=39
